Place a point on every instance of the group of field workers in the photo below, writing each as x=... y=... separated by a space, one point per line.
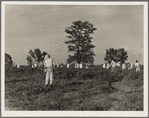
x=111 y=64
x=49 y=68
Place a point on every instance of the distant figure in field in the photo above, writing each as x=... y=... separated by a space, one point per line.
x=18 y=66
x=113 y=64
x=78 y=65
x=108 y=65
x=137 y=65
x=81 y=65
x=86 y=66
x=131 y=66
x=35 y=65
x=104 y=65
x=68 y=65
x=49 y=66
x=118 y=64
x=123 y=66
x=75 y=66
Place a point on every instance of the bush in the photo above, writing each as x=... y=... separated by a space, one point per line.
x=9 y=69
x=135 y=78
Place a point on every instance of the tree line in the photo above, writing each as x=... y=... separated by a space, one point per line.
x=79 y=45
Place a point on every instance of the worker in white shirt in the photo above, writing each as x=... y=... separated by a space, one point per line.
x=68 y=65
x=104 y=65
x=108 y=65
x=113 y=64
x=35 y=65
x=131 y=66
x=49 y=66
x=18 y=66
x=118 y=64
x=78 y=65
x=123 y=66
x=137 y=66
x=81 y=65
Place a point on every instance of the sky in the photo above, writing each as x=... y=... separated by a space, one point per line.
x=43 y=26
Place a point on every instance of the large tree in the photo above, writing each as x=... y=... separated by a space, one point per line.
x=116 y=55
x=8 y=59
x=80 y=42
x=29 y=60
x=35 y=56
x=8 y=64
x=122 y=55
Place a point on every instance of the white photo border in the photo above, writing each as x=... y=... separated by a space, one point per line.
x=143 y=113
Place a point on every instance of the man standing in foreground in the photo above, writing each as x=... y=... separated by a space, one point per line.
x=49 y=67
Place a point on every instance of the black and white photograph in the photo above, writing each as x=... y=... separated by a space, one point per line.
x=74 y=59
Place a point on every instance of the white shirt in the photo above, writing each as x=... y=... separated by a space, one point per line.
x=118 y=64
x=67 y=65
x=78 y=65
x=35 y=65
x=131 y=65
x=81 y=66
x=137 y=67
x=18 y=66
x=108 y=66
x=104 y=66
x=123 y=66
x=137 y=64
x=113 y=64
x=49 y=63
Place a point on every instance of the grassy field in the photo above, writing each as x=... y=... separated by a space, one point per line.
x=75 y=89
